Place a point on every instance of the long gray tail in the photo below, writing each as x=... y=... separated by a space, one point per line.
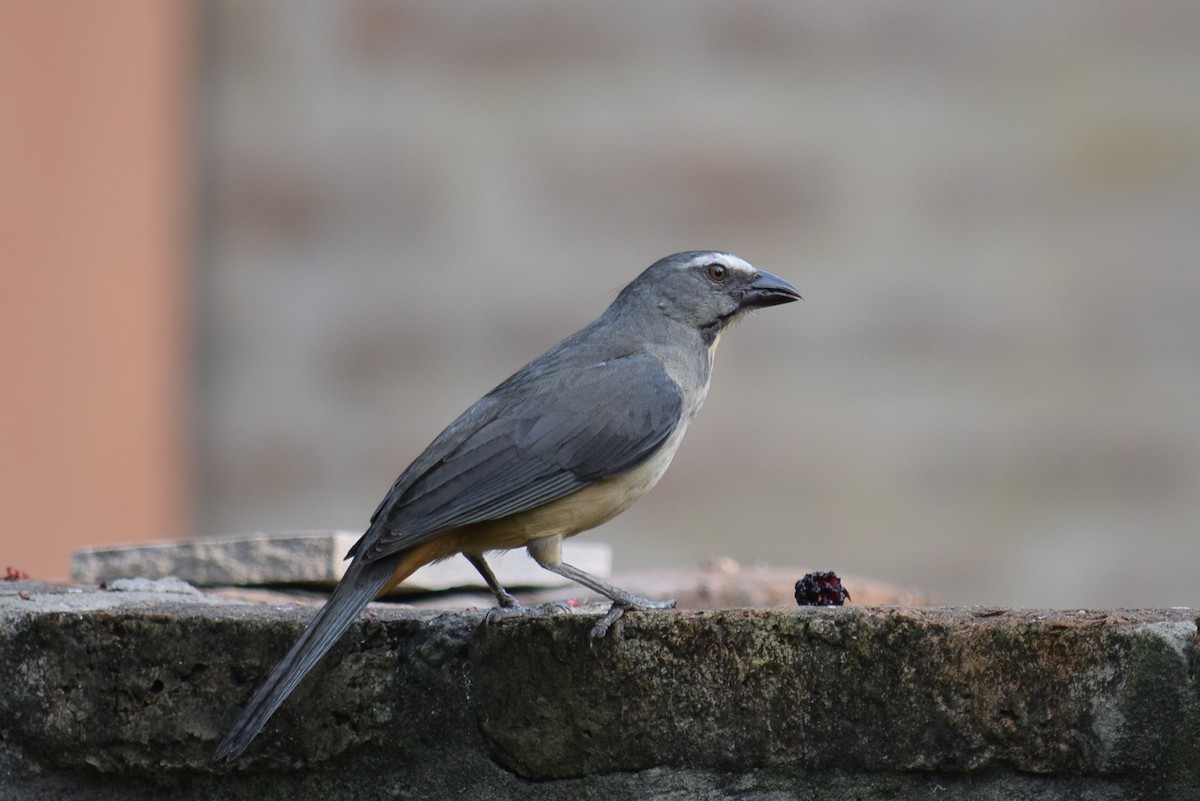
x=357 y=588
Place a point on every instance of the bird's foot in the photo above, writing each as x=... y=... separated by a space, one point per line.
x=514 y=608
x=617 y=611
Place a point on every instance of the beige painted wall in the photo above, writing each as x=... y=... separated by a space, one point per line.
x=93 y=322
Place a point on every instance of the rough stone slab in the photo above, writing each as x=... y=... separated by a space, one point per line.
x=294 y=558
x=311 y=558
x=125 y=695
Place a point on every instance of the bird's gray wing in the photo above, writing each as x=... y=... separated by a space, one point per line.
x=529 y=443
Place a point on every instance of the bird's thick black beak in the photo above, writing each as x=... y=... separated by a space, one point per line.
x=768 y=290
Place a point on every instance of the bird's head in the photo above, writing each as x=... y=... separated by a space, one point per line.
x=706 y=289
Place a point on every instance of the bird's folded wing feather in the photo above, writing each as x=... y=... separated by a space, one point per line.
x=551 y=435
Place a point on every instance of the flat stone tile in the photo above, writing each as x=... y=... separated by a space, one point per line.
x=315 y=558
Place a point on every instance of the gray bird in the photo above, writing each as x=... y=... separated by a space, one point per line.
x=568 y=442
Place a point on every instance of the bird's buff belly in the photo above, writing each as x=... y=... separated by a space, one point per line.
x=579 y=511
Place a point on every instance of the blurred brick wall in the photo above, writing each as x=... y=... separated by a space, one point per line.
x=989 y=391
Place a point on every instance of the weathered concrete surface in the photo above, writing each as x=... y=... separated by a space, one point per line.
x=125 y=695
x=877 y=690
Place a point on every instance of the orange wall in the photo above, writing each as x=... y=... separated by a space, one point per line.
x=93 y=237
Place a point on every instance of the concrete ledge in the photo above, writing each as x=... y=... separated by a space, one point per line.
x=125 y=694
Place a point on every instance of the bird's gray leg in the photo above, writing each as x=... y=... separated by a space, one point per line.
x=508 y=605
x=609 y=591
x=503 y=597
x=547 y=552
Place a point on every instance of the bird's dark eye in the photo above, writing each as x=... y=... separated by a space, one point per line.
x=717 y=272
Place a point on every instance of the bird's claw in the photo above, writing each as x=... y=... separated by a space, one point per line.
x=551 y=608
x=517 y=609
x=496 y=614
x=617 y=611
x=614 y=613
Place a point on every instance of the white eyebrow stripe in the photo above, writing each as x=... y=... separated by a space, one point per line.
x=728 y=259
